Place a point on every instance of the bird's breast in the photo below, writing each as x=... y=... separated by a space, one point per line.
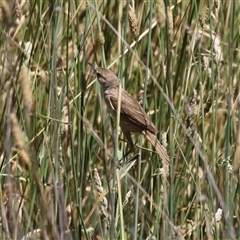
x=109 y=96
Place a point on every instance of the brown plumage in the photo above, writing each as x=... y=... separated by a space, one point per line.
x=132 y=116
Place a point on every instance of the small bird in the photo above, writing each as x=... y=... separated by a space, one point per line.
x=133 y=119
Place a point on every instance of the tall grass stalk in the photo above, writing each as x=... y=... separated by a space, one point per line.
x=61 y=169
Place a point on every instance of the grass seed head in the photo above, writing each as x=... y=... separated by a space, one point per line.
x=26 y=88
x=160 y=13
x=133 y=22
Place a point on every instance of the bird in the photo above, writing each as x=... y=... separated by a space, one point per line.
x=133 y=118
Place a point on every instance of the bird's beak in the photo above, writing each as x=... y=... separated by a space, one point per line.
x=93 y=66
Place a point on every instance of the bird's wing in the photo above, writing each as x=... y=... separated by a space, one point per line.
x=131 y=111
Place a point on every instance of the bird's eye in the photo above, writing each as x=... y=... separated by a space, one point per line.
x=99 y=75
x=100 y=78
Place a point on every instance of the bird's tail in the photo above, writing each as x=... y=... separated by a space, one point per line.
x=159 y=148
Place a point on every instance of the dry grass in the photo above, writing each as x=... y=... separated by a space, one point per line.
x=61 y=175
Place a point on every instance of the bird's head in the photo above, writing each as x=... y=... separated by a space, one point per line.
x=106 y=77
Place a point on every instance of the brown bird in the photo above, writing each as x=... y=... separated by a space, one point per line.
x=132 y=116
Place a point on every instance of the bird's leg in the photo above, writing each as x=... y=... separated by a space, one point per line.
x=124 y=156
x=130 y=143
